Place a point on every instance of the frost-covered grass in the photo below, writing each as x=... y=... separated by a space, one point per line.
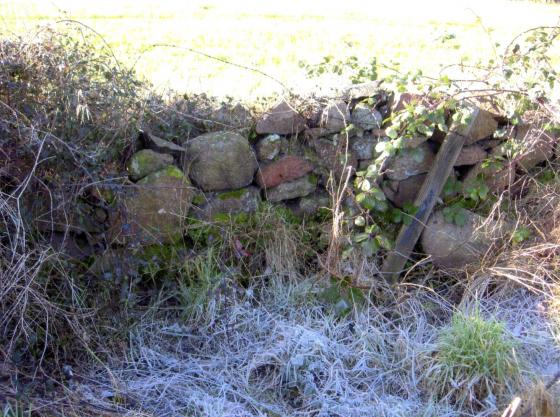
x=278 y=350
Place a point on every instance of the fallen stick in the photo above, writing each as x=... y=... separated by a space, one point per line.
x=425 y=201
x=512 y=408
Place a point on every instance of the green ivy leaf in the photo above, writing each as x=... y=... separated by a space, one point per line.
x=380 y=147
x=360 y=221
x=391 y=132
x=381 y=205
x=370 y=247
x=361 y=237
x=451 y=187
x=422 y=129
x=378 y=194
x=384 y=242
x=455 y=214
x=396 y=216
x=448 y=214
x=365 y=185
x=372 y=171
x=460 y=219
x=483 y=191
x=366 y=200
x=373 y=229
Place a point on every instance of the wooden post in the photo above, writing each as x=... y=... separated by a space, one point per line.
x=427 y=196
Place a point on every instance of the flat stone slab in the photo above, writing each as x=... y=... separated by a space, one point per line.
x=286 y=169
x=281 y=119
x=288 y=190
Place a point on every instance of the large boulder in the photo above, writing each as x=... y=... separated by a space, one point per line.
x=454 y=246
x=145 y=162
x=363 y=90
x=286 y=169
x=315 y=133
x=405 y=192
x=212 y=206
x=490 y=104
x=154 y=210
x=293 y=189
x=281 y=119
x=312 y=204
x=220 y=161
x=410 y=162
x=414 y=141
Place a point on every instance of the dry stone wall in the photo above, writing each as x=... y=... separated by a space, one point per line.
x=289 y=160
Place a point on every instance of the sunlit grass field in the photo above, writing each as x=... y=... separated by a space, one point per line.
x=274 y=37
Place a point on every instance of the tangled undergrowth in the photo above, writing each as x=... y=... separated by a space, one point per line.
x=220 y=333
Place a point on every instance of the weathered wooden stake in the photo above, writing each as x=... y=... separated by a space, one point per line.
x=427 y=196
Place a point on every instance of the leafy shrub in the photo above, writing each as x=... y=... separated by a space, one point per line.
x=65 y=87
x=521 y=84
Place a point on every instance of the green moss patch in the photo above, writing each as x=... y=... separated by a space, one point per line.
x=227 y=195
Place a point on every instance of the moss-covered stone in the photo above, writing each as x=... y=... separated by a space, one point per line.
x=154 y=211
x=366 y=118
x=227 y=195
x=281 y=119
x=332 y=158
x=199 y=199
x=245 y=200
x=169 y=171
x=220 y=161
x=313 y=179
x=145 y=162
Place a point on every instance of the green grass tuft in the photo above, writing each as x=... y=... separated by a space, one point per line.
x=474 y=359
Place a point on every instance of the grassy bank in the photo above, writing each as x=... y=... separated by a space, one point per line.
x=275 y=37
